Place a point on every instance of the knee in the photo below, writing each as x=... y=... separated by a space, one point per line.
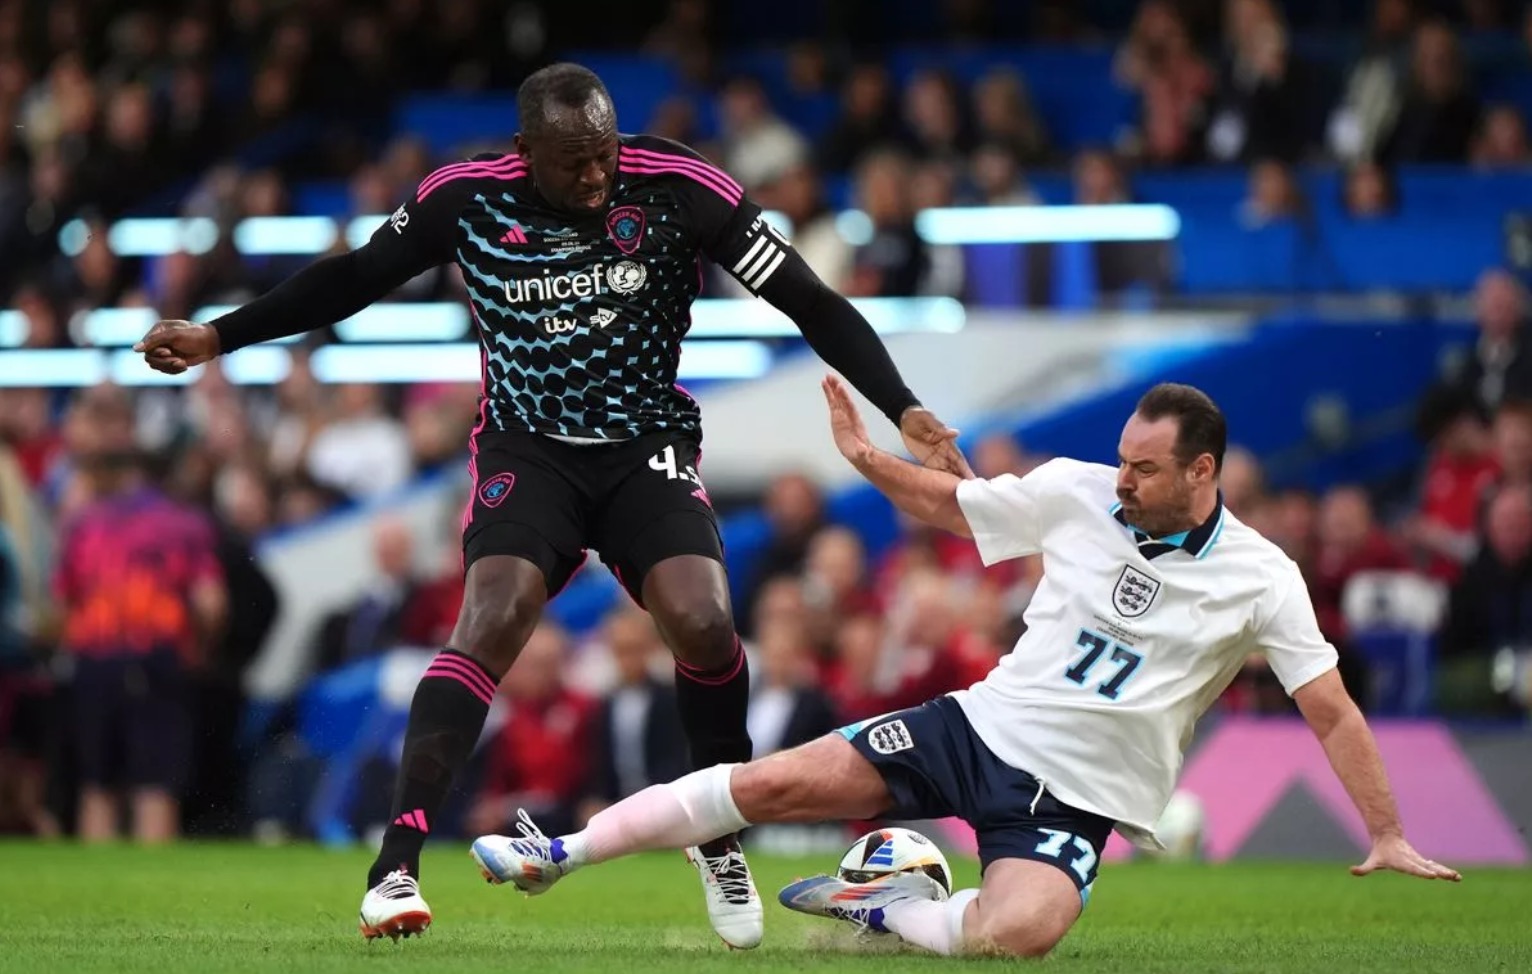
x=763 y=790
x=1029 y=936
x=700 y=631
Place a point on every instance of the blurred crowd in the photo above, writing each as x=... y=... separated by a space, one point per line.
x=131 y=606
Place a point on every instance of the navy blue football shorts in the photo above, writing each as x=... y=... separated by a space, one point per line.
x=935 y=766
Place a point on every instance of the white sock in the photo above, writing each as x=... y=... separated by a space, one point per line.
x=935 y=926
x=691 y=810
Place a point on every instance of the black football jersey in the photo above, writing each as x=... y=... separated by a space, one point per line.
x=580 y=319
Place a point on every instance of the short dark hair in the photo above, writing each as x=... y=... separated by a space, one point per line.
x=563 y=84
x=1201 y=427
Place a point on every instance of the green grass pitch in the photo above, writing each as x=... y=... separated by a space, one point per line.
x=211 y=908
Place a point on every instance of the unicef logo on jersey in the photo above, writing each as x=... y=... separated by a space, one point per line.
x=622 y=278
x=1135 y=592
x=626 y=276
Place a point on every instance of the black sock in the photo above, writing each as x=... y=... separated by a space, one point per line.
x=713 y=705
x=446 y=718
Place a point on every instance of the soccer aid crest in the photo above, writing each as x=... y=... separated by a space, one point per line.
x=626 y=227
x=1135 y=592
x=495 y=489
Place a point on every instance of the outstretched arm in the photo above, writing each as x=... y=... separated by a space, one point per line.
x=921 y=492
x=1348 y=743
x=846 y=342
x=417 y=237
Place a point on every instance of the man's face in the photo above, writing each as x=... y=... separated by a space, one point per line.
x=1155 y=488
x=573 y=154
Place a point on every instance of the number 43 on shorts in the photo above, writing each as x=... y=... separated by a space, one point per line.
x=665 y=462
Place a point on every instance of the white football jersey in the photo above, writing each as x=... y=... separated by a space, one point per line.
x=1128 y=640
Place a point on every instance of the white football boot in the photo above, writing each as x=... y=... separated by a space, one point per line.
x=394 y=908
x=531 y=862
x=860 y=904
x=733 y=905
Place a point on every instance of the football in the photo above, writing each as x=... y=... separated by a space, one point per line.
x=886 y=852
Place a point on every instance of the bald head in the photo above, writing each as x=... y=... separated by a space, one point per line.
x=568 y=137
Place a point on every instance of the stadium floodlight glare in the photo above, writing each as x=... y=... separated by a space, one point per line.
x=361 y=229
x=112 y=327
x=63 y=368
x=158 y=236
x=257 y=365
x=432 y=321
x=266 y=235
x=14 y=329
x=459 y=362
x=752 y=318
x=741 y=359
x=1047 y=224
x=312 y=235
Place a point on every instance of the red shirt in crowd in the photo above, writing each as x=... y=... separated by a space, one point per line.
x=543 y=749
x=1333 y=569
x=1454 y=488
x=127 y=567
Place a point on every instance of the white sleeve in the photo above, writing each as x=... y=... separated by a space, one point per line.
x=1291 y=640
x=1004 y=513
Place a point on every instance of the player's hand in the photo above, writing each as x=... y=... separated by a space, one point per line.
x=845 y=422
x=933 y=442
x=173 y=347
x=1394 y=853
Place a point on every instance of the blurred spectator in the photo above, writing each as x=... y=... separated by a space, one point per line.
x=794 y=509
x=1501 y=141
x=683 y=37
x=1499 y=366
x=363 y=451
x=144 y=596
x=1373 y=93
x=759 y=147
x=374 y=622
x=895 y=261
x=1349 y=541
x=1099 y=179
x=787 y=707
x=1460 y=468
x=835 y=582
x=637 y=738
x=1241 y=482
x=1174 y=81
x=1258 y=111
x=868 y=120
x=1437 y=119
x=1490 y=610
x=1005 y=117
x=1511 y=441
x=937 y=128
x=244 y=512
x=1369 y=192
x=539 y=759
x=935 y=187
x=997 y=178
x=1273 y=195
x=799 y=194
x=1292 y=525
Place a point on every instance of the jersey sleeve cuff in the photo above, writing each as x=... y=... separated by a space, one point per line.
x=1310 y=673
x=971 y=497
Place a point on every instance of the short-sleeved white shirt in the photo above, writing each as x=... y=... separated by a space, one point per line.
x=1123 y=652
